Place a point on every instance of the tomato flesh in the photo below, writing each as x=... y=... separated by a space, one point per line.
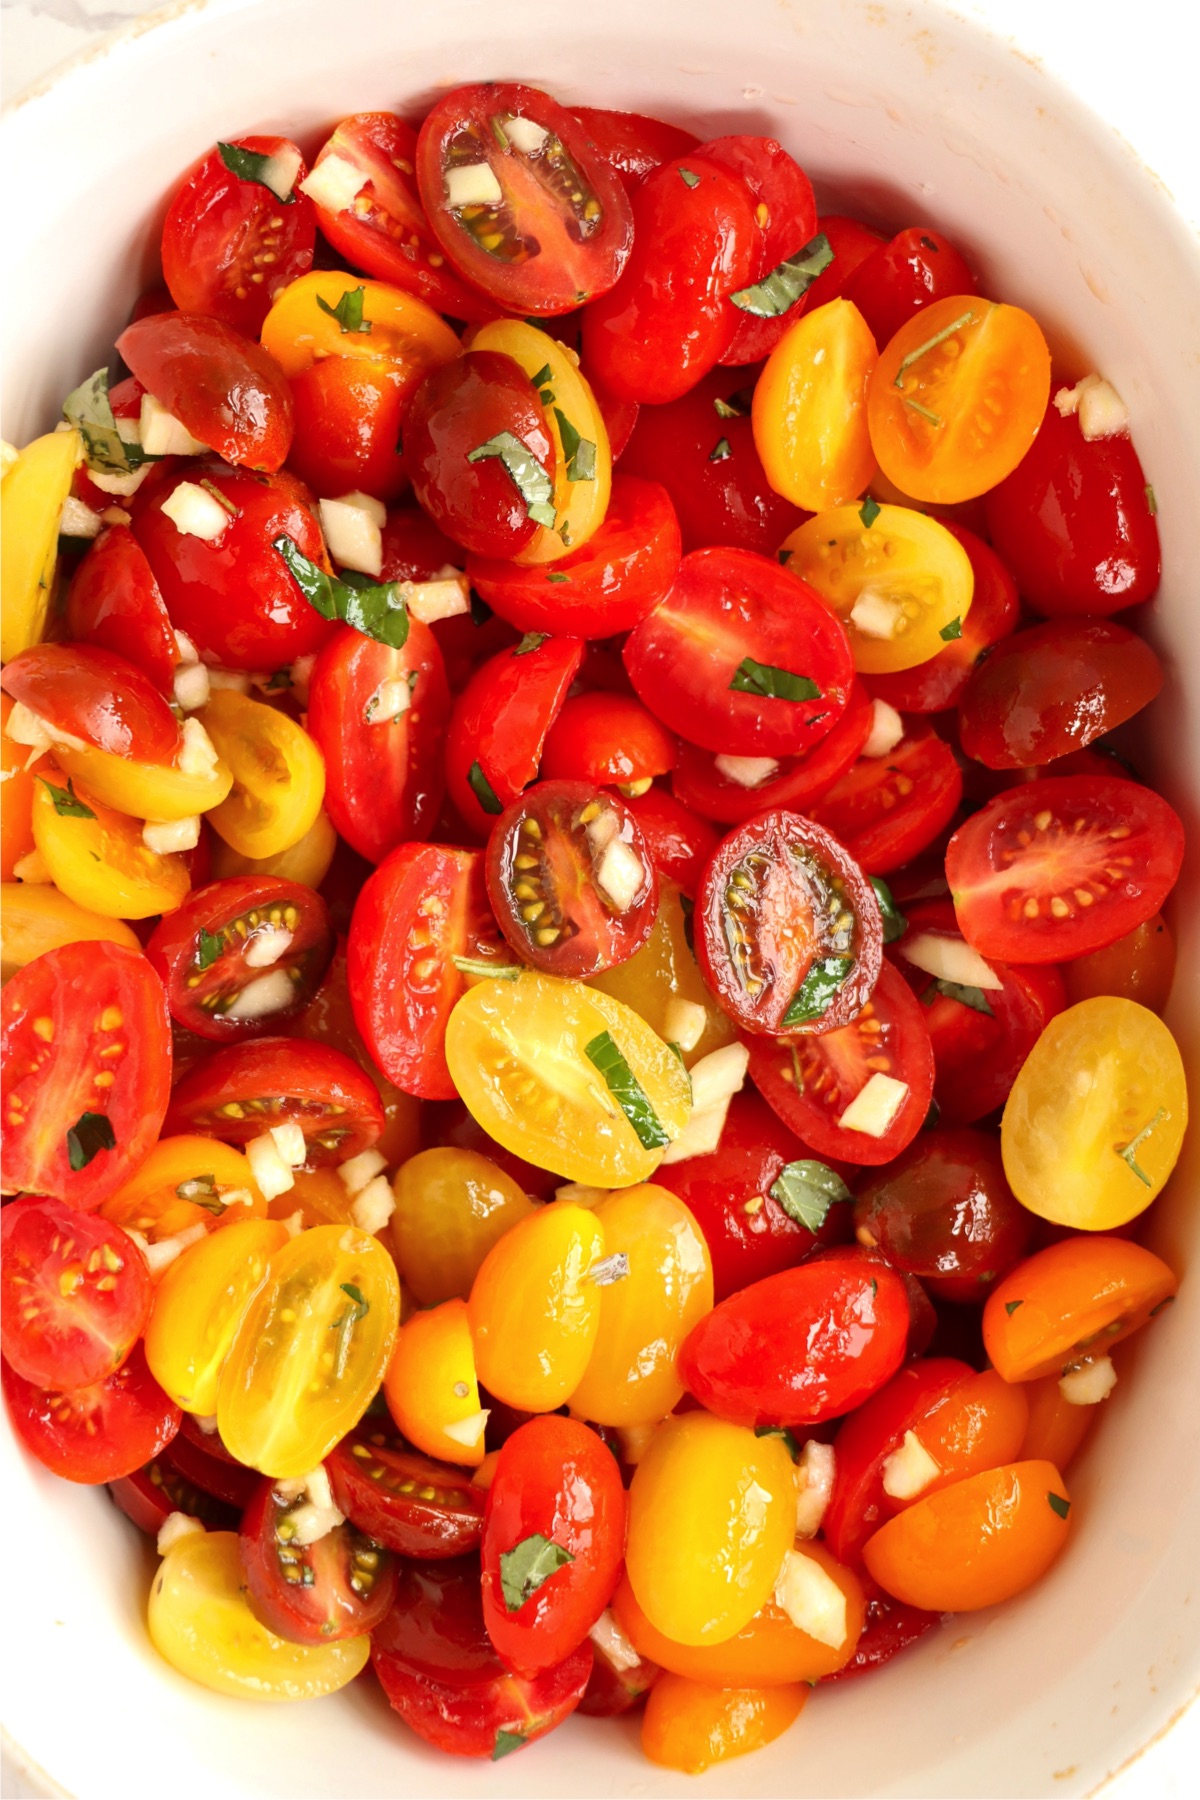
x=414 y=1506
x=98 y=1433
x=241 y=1091
x=887 y=809
x=499 y=725
x=76 y=1294
x=114 y=602
x=318 y=1593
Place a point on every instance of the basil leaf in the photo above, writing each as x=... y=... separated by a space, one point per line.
x=688 y=178
x=790 y=1439
x=580 y=452
x=973 y=997
x=1010 y=1306
x=89 y=410
x=506 y=1743
x=533 y=640
x=67 y=803
x=784 y=557
x=1129 y=1154
x=939 y=337
x=728 y=409
x=544 y=374
x=788 y=282
x=349 y=310
x=361 y=1307
x=751 y=677
x=721 y=451
x=894 y=922
x=91 y=1133
x=807 y=1190
x=527 y=1565
x=949 y=632
x=1151 y=500
x=868 y=512
x=524 y=471
x=483 y=790
x=552 y=576
x=1059 y=1504
x=251 y=165
x=817 y=991
x=374 y=608
x=209 y=946
x=626 y=1090
x=481 y=612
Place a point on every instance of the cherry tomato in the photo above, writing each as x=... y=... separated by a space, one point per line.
x=229 y=242
x=1075 y=522
x=1059 y=867
x=452 y=1205
x=810 y=408
x=35 y=918
x=76 y=1294
x=663 y=973
x=90 y=693
x=93 y=1434
x=616 y=1686
x=935 y=685
x=388 y=328
x=793 y=781
x=237 y=1093
x=534 y=1308
x=903 y=277
x=786 y=215
x=36 y=487
x=115 y=603
x=1057 y=1427
x=606 y=738
x=183 y=1182
x=337 y=1587
x=630 y=144
x=887 y=809
x=202 y=1459
x=148 y=1496
x=890 y=1628
x=679 y=841
x=499 y=725
x=1073 y=1299
x=198 y=1306
x=403 y=1501
x=223 y=387
x=348 y=418
x=690 y=1726
x=852 y=243
x=1139 y=966
x=16 y=819
x=278 y=774
x=431 y=1388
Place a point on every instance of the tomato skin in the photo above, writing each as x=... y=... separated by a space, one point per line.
x=934 y=686
x=149 y=1495
x=328 y=1096
x=76 y=1294
x=902 y=277
x=808 y=1344
x=320 y=1593
x=689 y=1726
x=383 y=779
x=224 y=387
x=631 y=144
x=1074 y=524
x=348 y=418
x=890 y=1628
x=800 y=781
x=852 y=243
x=114 y=602
x=887 y=809
x=393 y=1508
x=500 y=721
x=98 y=1433
x=202 y=1459
x=786 y=214
x=218 y=231
x=680 y=842
x=606 y=738
x=1080 y=1295
x=448 y=1124
x=95 y=695
x=1139 y=966
x=1055 y=688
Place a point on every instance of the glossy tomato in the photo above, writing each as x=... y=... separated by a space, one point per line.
x=733 y=789
x=240 y=1092
x=349 y=414
x=318 y=1592
x=76 y=1294
x=852 y=243
x=786 y=215
x=887 y=809
x=680 y=842
x=98 y=1433
x=607 y=738
x=890 y=1628
x=903 y=277
x=632 y=144
x=114 y=602
x=148 y=1496
x=402 y=1500
x=499 y=725
x=223 y=387
x=935 y=685
x=85 y=692
x=202 y=1459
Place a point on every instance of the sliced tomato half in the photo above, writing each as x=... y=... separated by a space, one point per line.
x=887 y=809
x=240 y=1092
x=93 y=1434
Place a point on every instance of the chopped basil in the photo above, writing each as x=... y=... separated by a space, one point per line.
x=949 y=632
x=721 y=451
x=282 y=678
x=544 y=374
x=1059 y=1504
x=784 y=556
x=1151 y=500
x=751 y=677
x=480 y=965
x=235 y=512
x=894 y=922
x=1010 y=1306
x=939 y=337
x=609 y=1269
x=67 y=803
x=788 y=282
x=688 y=178
x=728 y=409
x=481 y=612
x=874 y=1287
x=374 y=608
x=209 y=945
x=533 y=640
x=932 y=1117
x=1129 y=1154
x=89 y=410
x=527 y=1565
x=817 y=991
x=554 y=577
x=349 y=310
x=1155 y=1310
x=807 y=1190
x=927 y=243
x=524 y=471
x=580 y=452
x=688 y=909
x=973 y=997
x=626 y=1090
x=483 y=790
x=251 y=165
x=924 y=411
x=506 y=1743
x=91 y=1133
x=201 y=1190
x=361 y=1307
x=791 y=1441
x=868 y=512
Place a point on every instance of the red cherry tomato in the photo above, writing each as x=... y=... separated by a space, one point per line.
x=903 y=277
x=786 y=215
x=1055 y=868
x=679 y=841
x=800 y=1347
x=561 y=215
x=630 y=144
x=378 y=717
x=606 y=737
x=668 y=320
x=935 y=685
x=241 y=1091
x=788 y=932
x=799 y=782
x=115 y=603
x=499 y=725
x=148 y=1496
x=887 y=809
x=230 y=244
x=224 y=387
x=1075 y=522
x=75 y=1293
x=852 y=243
x=404 y=1501
x=348 y=418
x=733 y=637
x=337 y=1587
x=890 y=1627
x=93 y=1434
x=92 y=694
x=811 y=1080
x=86 y=1071
x=202 y=1459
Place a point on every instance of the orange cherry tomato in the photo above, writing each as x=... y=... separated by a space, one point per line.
x=1074 y=1299
x=1057 y=1427
x=186 y=1181
x=96 y=856
x=16 y=814
x=378 y=324
x=430 y=1385
x=1139 y=966
x=35 y=917
x=451 y=1207
x=983 y=1426
x=976 y=1543
x=689 y=1726
x=534 y=1310
x=810 y=409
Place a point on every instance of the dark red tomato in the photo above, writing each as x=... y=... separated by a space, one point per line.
x=803 y=1346
x=1075 y=522
x=905 y=276
x=554 y=1482
x=90 y=693
x=235 y=597
x=615 y=1688
x=414 y=548
x=499 y=725
x=458 y=409
x=788 y=931
x=533 y=216
x=241 y=1091
x=440 y=1672
x=404 y=1501
x=115 y=603
x=570 y=879
x=1055 y=688
x=811 y=1080
x=384 y=230
x=242 y=957
x=319 y=1593
x=934 y=686
x=449 y=1122
x=348 y=418
x=786 y=215
x=630 y=144
x=706 y=460
x=679 y=841
x=93 y=1434
x=230 y=244
x=149 y=1496
x=606 y=738
x=86 y=1071
x=425 y=905
x=1055 y=868
x=728 y=1192
x=742 y=657
x=378 y=717
x=75 y=1294
x=224 y=387
x=887 y=809
x=890 y=1627
x=798 y=781
x=852 y=243
x=669 y=320
x=604 y=587
x=202 y=1459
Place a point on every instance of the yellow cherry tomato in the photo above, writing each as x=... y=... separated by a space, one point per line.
x=689 y=1726
x=278 y=775
x=663 y=970
x=957 y=396
x=318 y=1195
x=37 y=918
x=534 y=1309
x=16 y=798
x=810 y=409
x=31 y=503
x=144 y=790
x=198 y=1306
x=1095 y=1120
x=712 y=1510
x=186 y=1181
x=311 y=1351
x=397 y=327
x=431 y=1387
x=898 y=585
x=1071 y=1301
x=451 y=1207
x=100 y=861
x=518 y=1055
x=582 y=479
x=201 y=1624
x=306 y=861
x=646 y=1314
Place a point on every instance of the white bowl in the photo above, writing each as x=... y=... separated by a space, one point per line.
x=910 y=114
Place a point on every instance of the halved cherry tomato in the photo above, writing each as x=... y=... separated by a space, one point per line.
x=1057 y=1426
x=83 y=691
x=1061 y=866
x=404 y=1501
x=223 y=387
x=1073 y=1299
x=786 y=215
x=148 y=1496
x=183 y=1182
x=114 y=602
x=499 y=725
x=903 y=277
x=93 y=1434
x=664 y=971
x=278 y=774
x=390 y=327
x=1139 y=966
x=851 y=242
x=935 y=685
x=199 y=1305
x=452 y=1205
x=337 y=1587
x=890 y=1628
x=887 y=809
x=810 y=409
x=535 y=1309
x=202 y=1459
x=76 y=1294
x=35 y=917
x=430 y=1385
x=241 y=1091
x=795 y=782
x=348 y=427
x=690 y=1726
x=680 y=842
x=631 y=144
x=606 y=738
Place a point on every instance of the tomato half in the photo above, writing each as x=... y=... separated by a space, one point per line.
x=241 y=1091
x=810 y=408
x=348 y=427
x=903 y=277
x=337 y=1587
x=414 y=1506
x=278 y=774
x=85 y=692
x=786 y=215
x=890 y=1628
x=148 y=1496
x=632 y=144
x=1077 y=1297
x=115 y=602
x=96 y=856
x=796 y=782
x=76 y=1294
x=223 y=387
x=606 y=738
x=934 y=685
x=499 y=725
x=887 y=809
x=680 y=842
x=93 y=1434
